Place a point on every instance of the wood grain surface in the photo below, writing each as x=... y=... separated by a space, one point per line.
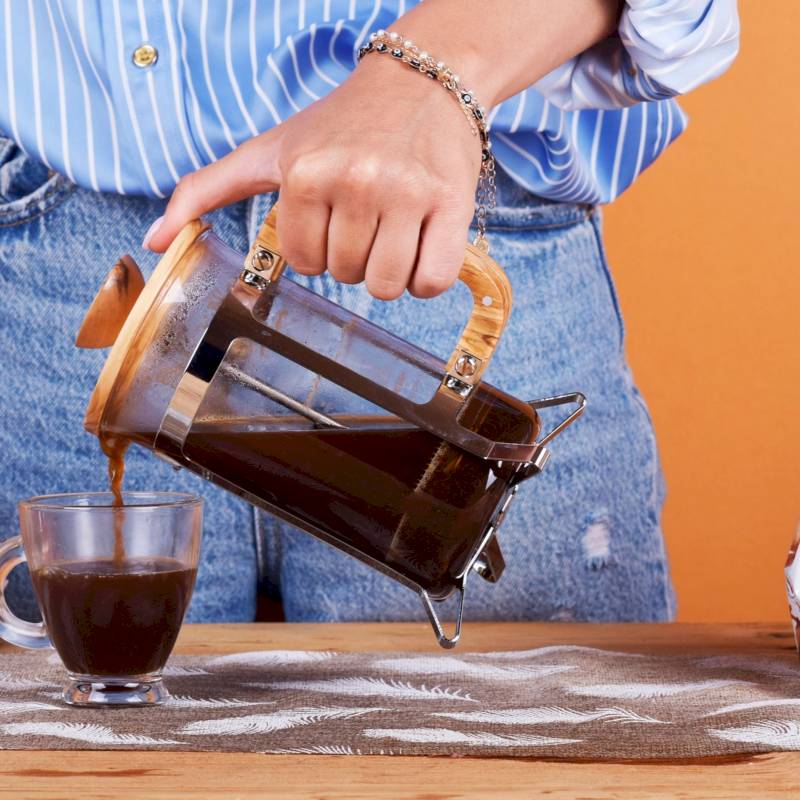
x=94 y=775
x=491 y=308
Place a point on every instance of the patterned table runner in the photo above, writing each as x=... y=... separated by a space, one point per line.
x=557 y=702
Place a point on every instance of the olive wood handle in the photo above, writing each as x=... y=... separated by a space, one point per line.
x=491 y=295
x=491 y=307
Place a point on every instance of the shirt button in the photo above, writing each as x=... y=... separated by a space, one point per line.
x=145 y=55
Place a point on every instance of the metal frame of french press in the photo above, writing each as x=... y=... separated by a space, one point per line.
x=491 y=292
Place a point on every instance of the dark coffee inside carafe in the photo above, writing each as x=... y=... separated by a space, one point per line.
x=392 y=491
x=302 y=445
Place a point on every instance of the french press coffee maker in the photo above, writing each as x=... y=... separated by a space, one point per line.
x=227 y=367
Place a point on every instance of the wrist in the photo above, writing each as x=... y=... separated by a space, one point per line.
x=465 y=56
x=390 y=47
x=503 y=47
x=409 y=94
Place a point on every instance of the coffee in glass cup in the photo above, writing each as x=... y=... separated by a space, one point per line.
x=113 y=585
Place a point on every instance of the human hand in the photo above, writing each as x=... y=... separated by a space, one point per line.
x=377 y=183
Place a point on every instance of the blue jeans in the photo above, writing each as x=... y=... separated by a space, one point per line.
x=581 y=541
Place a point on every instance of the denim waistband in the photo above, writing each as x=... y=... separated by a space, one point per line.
x=518 y=208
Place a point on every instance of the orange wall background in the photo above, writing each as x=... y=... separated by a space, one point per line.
x=705 y=250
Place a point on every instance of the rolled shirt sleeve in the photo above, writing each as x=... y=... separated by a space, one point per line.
x=662 y=48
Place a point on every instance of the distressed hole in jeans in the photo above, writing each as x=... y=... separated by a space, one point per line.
x=596 y=543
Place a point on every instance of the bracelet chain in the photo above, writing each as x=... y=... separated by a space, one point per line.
x=406 y=51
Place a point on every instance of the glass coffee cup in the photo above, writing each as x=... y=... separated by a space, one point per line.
x=113 y=585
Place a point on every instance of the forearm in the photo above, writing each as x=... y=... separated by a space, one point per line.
x=501 y=47
x=377 y=179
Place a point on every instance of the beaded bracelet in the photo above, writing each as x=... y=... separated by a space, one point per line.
x=407 y=52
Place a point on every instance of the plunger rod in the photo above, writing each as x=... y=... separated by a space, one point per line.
x=321 y=420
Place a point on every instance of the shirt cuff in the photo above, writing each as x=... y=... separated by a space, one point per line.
x=662 y=48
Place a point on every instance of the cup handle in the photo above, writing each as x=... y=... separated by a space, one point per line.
x=32 y=635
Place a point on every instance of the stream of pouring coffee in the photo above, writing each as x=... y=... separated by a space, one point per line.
x=100 y=328
x=114 y=448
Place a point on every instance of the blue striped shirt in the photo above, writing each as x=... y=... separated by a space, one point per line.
x=71 y=94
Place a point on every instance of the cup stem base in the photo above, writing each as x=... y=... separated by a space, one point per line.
x=148 y=690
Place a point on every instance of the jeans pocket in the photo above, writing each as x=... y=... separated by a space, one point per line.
x=28 y=188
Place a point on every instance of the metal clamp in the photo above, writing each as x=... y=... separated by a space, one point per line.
x=445 y=641
x=475 y=562
x=559 y=400
x=542 y=454
x=262 y=267
x=461 y=381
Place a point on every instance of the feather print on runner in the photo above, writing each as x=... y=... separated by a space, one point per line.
x=780 y=735
x=174 y=671
x=370 y=687
x=642 y=691
x=11 y=707
x=475 y=738
x=318 y=749
x=82 y=732
x=552 y=649
x=265 y=658
x=186 y=701
x=549 y=715
x=269 y=723
x=784 y=701
x=766 y=666
x=10 y=683
x=438 y=665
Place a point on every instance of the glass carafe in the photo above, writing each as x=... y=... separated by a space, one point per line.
x=228 y=368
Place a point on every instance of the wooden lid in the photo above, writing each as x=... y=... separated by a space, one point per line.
x=138 y=330
x=111 y=305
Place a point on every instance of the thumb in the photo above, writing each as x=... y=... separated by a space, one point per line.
x=252 y=168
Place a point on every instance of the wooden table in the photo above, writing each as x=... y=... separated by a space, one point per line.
x=94 y=775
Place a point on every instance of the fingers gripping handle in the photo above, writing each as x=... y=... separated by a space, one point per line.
x=13 y=629
x=491 y=295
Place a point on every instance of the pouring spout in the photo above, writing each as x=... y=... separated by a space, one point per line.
x=111 y=305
